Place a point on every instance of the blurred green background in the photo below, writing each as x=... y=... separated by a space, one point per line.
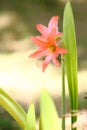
x=17 y=23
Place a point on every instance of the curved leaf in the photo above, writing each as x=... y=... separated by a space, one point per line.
x=12 y=107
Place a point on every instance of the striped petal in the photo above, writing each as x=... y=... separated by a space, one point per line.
x=38 y=41
x=42 y=29
x=53 y=23
x=39 y=53
x=55 y=61
x=46 y=62
x=61 y=50
x=51 y=38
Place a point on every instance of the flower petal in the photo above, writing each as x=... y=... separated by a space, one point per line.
x=61 y=50
x=59 y=34
x=46 y=62
x=53 y=23
x=39 y=53
x=39 y=41
x=42 y=38
x=42 y=29
x=51 y=38
x=55 y=61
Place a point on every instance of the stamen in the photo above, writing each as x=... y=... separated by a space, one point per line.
x=52 y=48
x=39 y=62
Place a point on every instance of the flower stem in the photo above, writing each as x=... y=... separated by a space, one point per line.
x=63 y=93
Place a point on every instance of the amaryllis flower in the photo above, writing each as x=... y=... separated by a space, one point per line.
x=45 y=31
x=47 y=47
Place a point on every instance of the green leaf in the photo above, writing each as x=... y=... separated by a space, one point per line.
x=13 y=108
x=49 y=119
x=30 y=120
x=69 y=38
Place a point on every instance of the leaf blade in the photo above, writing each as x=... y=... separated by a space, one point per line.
x=69 y=38
x=49 y=119
x=12 y=107
x=31 y=119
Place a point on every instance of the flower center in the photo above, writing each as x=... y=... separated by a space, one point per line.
x=52 y=48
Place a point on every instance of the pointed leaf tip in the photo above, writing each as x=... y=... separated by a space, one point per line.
x=31 y=119
x=49 y=119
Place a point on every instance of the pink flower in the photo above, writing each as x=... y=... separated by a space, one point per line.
x=47 y=43
x=52 y=24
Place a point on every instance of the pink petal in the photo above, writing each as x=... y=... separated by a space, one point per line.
x=42 y=29
x=55 y=61
x=44 y=67
x=53 y=23
x=39 y=42
x=51 y=37
x=59 y=34
x=42 y=38
x=46 y=62
x=61 y=50
x=39 y=53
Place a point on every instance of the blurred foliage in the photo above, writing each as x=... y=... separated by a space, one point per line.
x=7 y=122
x=45 y=2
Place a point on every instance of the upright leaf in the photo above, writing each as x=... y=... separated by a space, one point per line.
x=13 y=108
x=69 y=38
x=49 y=119
x=30 y=120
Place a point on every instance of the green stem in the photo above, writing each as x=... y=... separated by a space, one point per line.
x=63 y=93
